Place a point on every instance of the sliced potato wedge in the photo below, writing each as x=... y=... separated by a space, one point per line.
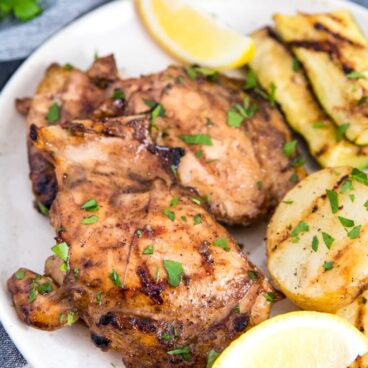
x=317 y=240
x=273 y=63
x=334 y=53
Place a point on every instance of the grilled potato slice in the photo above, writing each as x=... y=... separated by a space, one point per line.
x=334 y=53
x=357 y=314
x=317 y=240
x=273 y=63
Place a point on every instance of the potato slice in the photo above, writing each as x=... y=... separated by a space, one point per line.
x=330 y=277
x=273 y=63
x=334 y=53
x=357 y=314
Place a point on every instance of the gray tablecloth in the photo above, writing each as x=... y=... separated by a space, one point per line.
x=16 y=42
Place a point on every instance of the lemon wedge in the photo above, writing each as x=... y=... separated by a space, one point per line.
x=193 y=37
x=296 y=339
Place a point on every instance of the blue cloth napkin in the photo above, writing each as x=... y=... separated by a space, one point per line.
x=18 y=41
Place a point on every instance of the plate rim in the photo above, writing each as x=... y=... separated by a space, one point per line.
x=27 y=63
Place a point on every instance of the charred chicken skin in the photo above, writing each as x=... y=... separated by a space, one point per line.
x=233 y=140
x=143 y=262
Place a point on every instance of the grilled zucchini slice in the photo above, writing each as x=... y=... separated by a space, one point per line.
x=317 y=240
x=273 y=63
x=357 y=314
x=334 y=53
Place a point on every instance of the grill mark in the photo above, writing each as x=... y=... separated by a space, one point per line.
x=100 y=341
x=322 y=150
x=149 y=286
x=306 y=214
x=206 y=256
x=321 y=27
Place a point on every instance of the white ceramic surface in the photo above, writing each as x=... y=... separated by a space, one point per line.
x=25 y=236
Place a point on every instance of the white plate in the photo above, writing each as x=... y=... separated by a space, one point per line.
x=25 y=236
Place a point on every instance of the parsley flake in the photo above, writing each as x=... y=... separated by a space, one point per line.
x=270 y=297
x=89 y=220
x=354 y=233
x=289 y=148
x=91 y=205
x=300 y=228
x=148 y=249
x=174 y=202
x=203 y=139
x=346 y=222
x=253 y=275
x=355 y=75
x=296 y=65
x=334 y=200
x=115 y=278
x=118 y=94
x=222 y=243
x=328 y=239
x=169 y=214
x=99 y=297
x=19 y=275
x=174 y=271
x=211 y=358
x=341 y=130
x=319 y=125
x=328 y=265
x=53 y=115
x=346 y=186
x=70 y=319
x=315 y=243
x=359 y=176
x=43 y=209
x=61 y=250
x=251 y=81
x=197 y=219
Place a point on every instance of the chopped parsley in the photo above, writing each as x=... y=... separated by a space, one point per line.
x=118 y=94
x=296 y=65
x=174 y=202
x=196 y=201
x=288 y=202
x=328 y=239
x=139 y=233
x=169 y=214
x=300 y=228
x=43 y=209
x=270 y=297
x=174 y=169
x=297 y=162
x=238 y=113
x=355 y=75
x=70 y=319
x=315 y=243
x=211 y=358
x=346 y=222
x=272 y=95
x=237 y=309
x=99 y=297
x=328 y=265
x=199 y=154
x=352 y=197
x=289 y=148
x=359 y=176
x=197 y=219
x=148 y=249
x=116 y=279
x=91 y=205
x=354 y=233
x=294 y=178
x=76 y=272
x=366 y=205
x=222 y=243
x=157 y=110
x=45 y=288
x=203 y=139
x=334 y=200
x=157 y=275
x=174 y=271
x=183 y=351
x=195 y=71
x=19 y=275
x=53 y=115
x=89 y=220
x=319 y=125
x=68 y=67
x=341 y=130
x=251 y=81
x=346 y=186
x=253 y=275
x=61 y=250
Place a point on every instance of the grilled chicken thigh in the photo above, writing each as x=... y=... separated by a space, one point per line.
x=147 y=267
x=233 y=141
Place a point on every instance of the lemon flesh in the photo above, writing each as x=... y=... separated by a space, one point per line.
x=194 y=37
x=297 y=339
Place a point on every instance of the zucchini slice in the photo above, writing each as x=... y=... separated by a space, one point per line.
x=334 y=53
x=273 y=63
